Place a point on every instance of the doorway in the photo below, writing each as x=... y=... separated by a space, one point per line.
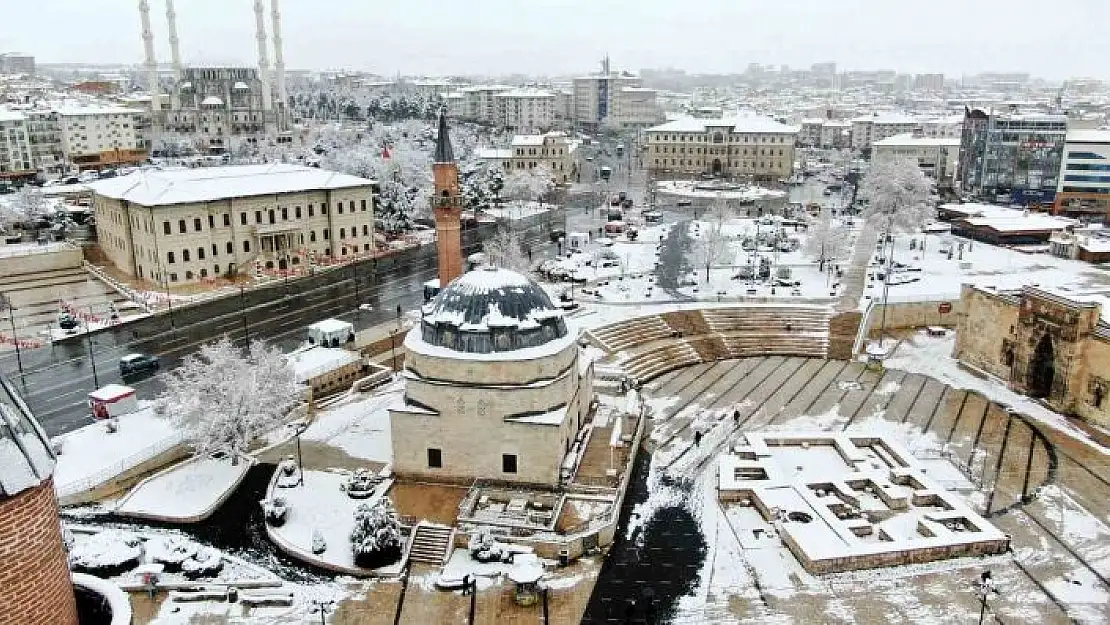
x=1041 y=369
x=716 y=167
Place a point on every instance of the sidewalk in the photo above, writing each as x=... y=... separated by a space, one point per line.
x=855 y=278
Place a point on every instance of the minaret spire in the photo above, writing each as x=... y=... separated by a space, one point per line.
x=447 y=206
x=444 y=153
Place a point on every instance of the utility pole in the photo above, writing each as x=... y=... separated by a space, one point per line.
x=92 y=354
x=243 y=314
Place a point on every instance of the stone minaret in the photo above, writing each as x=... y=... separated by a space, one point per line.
x=263 y=57
x=447 y=207
x=149 y=63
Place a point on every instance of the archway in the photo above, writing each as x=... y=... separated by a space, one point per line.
x=1041 y=368
x=716 y=167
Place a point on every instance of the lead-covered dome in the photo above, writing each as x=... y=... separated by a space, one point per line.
x=491 y=310
x=26 y=459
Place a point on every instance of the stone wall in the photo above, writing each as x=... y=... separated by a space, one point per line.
x=35 y=586
x=902 y=315
x=843 y=328
x=986 y=325
x=43 y=258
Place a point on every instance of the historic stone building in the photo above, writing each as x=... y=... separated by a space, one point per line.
x=1047 y=345
x=495 y=384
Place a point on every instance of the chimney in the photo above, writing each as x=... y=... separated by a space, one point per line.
x=446 y=206
x=279 y=59
x=148 y=62
x=263 y=60
x=175 y=50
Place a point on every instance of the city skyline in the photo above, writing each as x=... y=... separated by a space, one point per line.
x=423 y=37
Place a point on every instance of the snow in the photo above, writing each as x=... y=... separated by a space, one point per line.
x=16 y=473
x=517 y=209
x=738 y=125
x=909 y=140
x=106 y=549
x=320 y=506
x=186 y=492
x=415 y=342
x=118 y=602
x=932 y=356
x=331 y=326
x=690 y=188
x=210 y=184
x=91 y=455
x=111 y=392
x=315 y=361
x=359 y=427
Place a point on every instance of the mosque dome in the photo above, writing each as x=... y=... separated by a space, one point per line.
x=26 y=459
x=491 y=310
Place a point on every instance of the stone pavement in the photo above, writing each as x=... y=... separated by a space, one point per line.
x=855 y=275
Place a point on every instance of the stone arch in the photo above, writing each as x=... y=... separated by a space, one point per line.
x=1042 y=369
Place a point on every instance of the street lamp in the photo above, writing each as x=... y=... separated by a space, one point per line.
x=984 y=589
x=92 y=354
x=323 y=608
x=300 y=429
x=243 y=314
x=6 y=304
x=393 y=347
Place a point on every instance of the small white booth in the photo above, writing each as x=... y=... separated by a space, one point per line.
x=331 y=333
x=113 y=400
x=578 y=240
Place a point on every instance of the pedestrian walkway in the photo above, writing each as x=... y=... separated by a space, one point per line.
x=855 y=278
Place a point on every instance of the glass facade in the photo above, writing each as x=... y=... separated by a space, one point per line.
x=1018 y=155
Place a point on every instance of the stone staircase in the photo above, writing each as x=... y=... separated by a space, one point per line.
x=431 y=543
x=688 y=322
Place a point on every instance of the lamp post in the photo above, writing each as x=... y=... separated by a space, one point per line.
x=984 y=589
x=323 y=608
x=301 y=427
x=166 y=288
x=6 y=304
x=243 y=314
x=393 y=347
x=92 y=354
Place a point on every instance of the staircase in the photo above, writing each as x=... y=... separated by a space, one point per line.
x=431 y=543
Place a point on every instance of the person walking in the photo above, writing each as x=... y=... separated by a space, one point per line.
x=697 y=438
x=736 y=418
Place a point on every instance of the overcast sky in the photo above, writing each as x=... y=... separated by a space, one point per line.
x=1052 y=39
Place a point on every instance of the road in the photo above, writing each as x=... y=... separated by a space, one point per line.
x=58 y=378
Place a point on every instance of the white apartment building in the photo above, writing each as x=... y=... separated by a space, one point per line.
x=596 y=97
x=868 y=129
x=754 y=147
x=1083 y=189
x=938 y=157
x=478 y=102
x=179 y=226
x=637 y=107
x=16 y=158
x=554 y=151
x=456 y=105
x=943 y=126
x=835 y=134
x=525 y=109
x=96 y=136
x=564 y=104
x=809 y=132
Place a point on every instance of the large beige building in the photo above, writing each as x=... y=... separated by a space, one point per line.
x=496 y=385
x=868 y=129
x=753 y=147
x=94 y=136
x=553 y=150
x=184 y=225
x=938 y=157
x=1052 y=346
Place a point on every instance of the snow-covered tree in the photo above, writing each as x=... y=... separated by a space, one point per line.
x=504 y=249
x=26 y=205
x=898 y=196
x=376 y=535
x=711 y=244
x=826 y=241
x=528 y=184
x=224 y=398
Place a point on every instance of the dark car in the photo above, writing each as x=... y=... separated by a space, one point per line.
x=133 y=364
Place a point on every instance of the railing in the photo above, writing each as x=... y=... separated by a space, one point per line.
x=128 y=292
x=104 y=475
x=864 y=327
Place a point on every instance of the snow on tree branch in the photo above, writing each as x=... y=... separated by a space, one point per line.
x=225 y=399
x=711 y=244
x=898 y=196
x=505 y=249
x=528 y=184
x=826 y=241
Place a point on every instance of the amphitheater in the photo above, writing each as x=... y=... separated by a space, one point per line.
x=721 y=371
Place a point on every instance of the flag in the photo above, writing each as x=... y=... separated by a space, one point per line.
x=385 y=151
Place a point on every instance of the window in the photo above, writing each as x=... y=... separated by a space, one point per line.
x=200 y=253
x=326 y=234
x=311 y=211
x=166 y=227
x=196 y=224
x=184 y=256
x=216 y=270
x=188 y=275
x=227 y=220
x=181 y=225
x=365 y=230
x=508 y=463
x=257 y=217
x=270 y=214
x=339 y=207
x=312 y=236
x=230 y=248
x=173 y=277
x=324 y=208
x=246 y=246
x=169 y=257
x=362 y=204
x=342 y=233
x=215 y=250
x=204 y=273
x=351 y=205
x=297 y=212
x=211 y=221
x=243 y=218
x=435 y=458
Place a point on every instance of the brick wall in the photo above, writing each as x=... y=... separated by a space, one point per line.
x=35 y=587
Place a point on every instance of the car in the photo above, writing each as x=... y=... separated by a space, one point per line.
x=132 y=364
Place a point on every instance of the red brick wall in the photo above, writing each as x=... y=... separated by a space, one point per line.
x=35 y=587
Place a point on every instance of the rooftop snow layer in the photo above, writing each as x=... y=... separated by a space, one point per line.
x=907 y=139
x=752 y=123
x=207 y=184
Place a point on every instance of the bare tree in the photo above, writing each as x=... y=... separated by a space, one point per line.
x=504 y=249
x=224 y=398
x=712 y=244
x=528 y=184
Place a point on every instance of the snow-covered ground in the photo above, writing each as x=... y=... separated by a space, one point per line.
x=517 y=209
x=92 y=455
x=321 y=506
x=1005 y=268
x=187 y=492
x=359 y=426
x=696 y=189
x=932 y=356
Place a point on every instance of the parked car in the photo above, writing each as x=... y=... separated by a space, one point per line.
x=132 y=364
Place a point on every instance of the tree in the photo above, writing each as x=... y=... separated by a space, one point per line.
x=528 y=184
x=26 y=206
x=225 y=398
x=711 y=244
x=376 y=535
x=825 y=241
x=504 y=249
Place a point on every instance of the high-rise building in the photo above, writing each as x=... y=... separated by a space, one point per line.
x=933 y=83
x=17 y=64
x=613 y=99
x=1083 y=190
x=1012 y=157
x=16 y=157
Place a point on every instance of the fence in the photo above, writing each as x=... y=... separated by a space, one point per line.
x=121 y=288
x=103 y=476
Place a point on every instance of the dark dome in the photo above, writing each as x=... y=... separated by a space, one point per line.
x=491 y=310
x=26 y=459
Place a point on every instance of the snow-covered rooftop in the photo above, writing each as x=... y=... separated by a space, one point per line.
x=887 y=118
x=490 y=154
x=1089 y=136
x=315 y=361
x=8 y=115
x=207 y=184
x=111 y=392
x=909 y=140
x=749 y=123
x=527 y=140
x=73 y=110
x=26 y=459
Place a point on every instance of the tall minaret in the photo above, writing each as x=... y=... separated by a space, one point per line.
x=149 y=62
x=447 y=207
x=263 y=58
x=279 y=58
x=175 y=50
